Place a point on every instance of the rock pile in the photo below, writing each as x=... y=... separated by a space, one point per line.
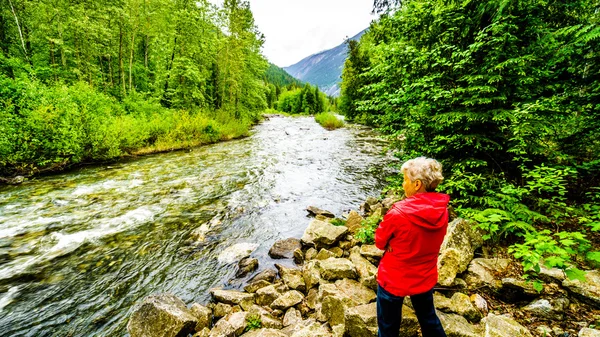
x=332 y=290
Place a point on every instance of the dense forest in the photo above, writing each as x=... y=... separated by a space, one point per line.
x=506 y=94
x=95 y=80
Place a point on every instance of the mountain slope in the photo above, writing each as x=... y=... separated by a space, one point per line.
x=323 y=69
x=280 y=77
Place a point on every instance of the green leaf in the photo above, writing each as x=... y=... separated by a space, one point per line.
x=575 y=274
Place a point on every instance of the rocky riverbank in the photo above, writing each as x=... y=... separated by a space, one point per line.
x=331 y=292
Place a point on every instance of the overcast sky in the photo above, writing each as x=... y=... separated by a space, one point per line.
x=295 y=29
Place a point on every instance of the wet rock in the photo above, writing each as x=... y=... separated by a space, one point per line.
x=266 y=295
x=547 y=309
x=292 y=277
x=246 y=266
x=481 y=272
x=334 y=269
x=371 y=253
x=354 y=222
x=240 y=298
x=503 y=326
x=161 y=315
x=587 y=332
x=291 y=317
x=13 y=181
x=367 y=272
x=264 y=333
x=322 y=234
x=284 y=249
x=314 y=211
x=456 y=325
x=588 y=291
x=254 y=286
x=203 y=316
x=370 y=205
x=267 y=275
x=457 y=250
x=287 y=300
x=237 y=252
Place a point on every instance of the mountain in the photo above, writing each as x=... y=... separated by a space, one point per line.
x=323 y=69
x=280 y=77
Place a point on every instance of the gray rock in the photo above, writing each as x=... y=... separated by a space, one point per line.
x=203 y=316
x=202 y=333
x=291 y=317
x=587 y=332
x=361 y=321
x=333 y=308
x=243 y=299
x=314 y=211
x=588 y=291
x=292 y=277
x=481 y=272
x=310 y=254
x=553 y=309
x=337 y=251
x=322 y=234
x=238 y=321
x=267 y=275
x=354 y=222
x=311 y=274
x=270 y=322
x=222 y=329
x=457 y=250
x=298 y=256
x=246 y=266
x=287 y=300
x=551 y=275
x=334 y=269
x=284 y=249
x=358 y=293
x=480 y=303
x=367 y=272
x=338 y=330
x=237 y=252
x=503 y=326
x=311 y=298
x=264 y=333
x=313 y=330
x=161 y=315
x=456 y=325
x=462 y=305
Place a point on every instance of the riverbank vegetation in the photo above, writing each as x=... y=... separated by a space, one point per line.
x=505 y=94
x=329 y=121
x=93 y=81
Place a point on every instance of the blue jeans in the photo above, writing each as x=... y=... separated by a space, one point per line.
x=389 y=314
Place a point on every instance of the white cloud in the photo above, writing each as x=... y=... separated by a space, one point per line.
x=295 y=29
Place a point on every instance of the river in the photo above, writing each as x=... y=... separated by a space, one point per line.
x=78 y=250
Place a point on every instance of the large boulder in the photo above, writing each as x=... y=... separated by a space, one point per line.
x=322 y=234
x=243 y=299
x=517 y=290
x=457 y=326
x=162 y=315
x=358 y=293
x=292 y=277
x=457 y=250
x=333 y=269
x=354 y=221
x=503 y=326
x=311 y=274
x=482 y=272
x=463 y=306
x=246 y=266
x=268 y=275
x=266 y=295
x=372 y=253
x=588 y=291
x=367 y=272
x=291 y=317
x=203 y=316
x=284 y=249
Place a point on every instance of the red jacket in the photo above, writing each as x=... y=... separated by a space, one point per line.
x=414 y=228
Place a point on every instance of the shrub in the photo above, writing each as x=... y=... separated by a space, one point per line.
x=329 y=121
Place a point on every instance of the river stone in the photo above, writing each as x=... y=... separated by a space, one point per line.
x=202 y=333
x=456 y=325
x=246 y=266
x=353 y=222
x=354 y=290
x=222 y=329
x=503 y=326
x=254 y=286
x=481 y=272
x=588 y=291
x=338 y=330
x=441 y=302
x=243 y=299
x=287 y=300
x=267 y=275
x=457 y=250
x=361 y=321
x=268 y=321
x=462 y=305
x=298 y=256
x=310 y=254
x=284 y=249
x=311 y=298
x=320 y=234
x=237 y=252
x=334 y=269
x=291 y=329
x=587 y=332
x=266 y=295
x=292 y=277
x=324 y=254
x=313 y=330
x=238 y=321
x=314 y=211
x=367 y=272
x=371 y=253
x=222 y=310
x=480 y=303
x=264 y=333
x=311 y=274
x=292 y=316
x=203 y=316
x=161 y=315
x=545 y=309
x=333 y=308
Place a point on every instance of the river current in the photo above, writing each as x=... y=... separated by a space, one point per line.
x=78 y=250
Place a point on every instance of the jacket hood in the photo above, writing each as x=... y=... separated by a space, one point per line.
x=428 y=210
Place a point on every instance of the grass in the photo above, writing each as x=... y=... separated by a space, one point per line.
x=329 y=121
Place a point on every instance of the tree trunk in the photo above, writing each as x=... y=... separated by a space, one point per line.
x=121 y=68
x=131 y=61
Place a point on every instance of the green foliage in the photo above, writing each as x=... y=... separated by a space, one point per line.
x=329 y=121
x=253 y=322
x=366 y=232
x=337 y=222
x=307 y=100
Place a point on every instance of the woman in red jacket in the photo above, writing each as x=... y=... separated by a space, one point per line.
x=411 y=234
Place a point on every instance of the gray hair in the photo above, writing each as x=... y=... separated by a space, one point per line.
x=427 y=170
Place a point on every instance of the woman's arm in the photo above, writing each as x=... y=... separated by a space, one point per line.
x=385 y=231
